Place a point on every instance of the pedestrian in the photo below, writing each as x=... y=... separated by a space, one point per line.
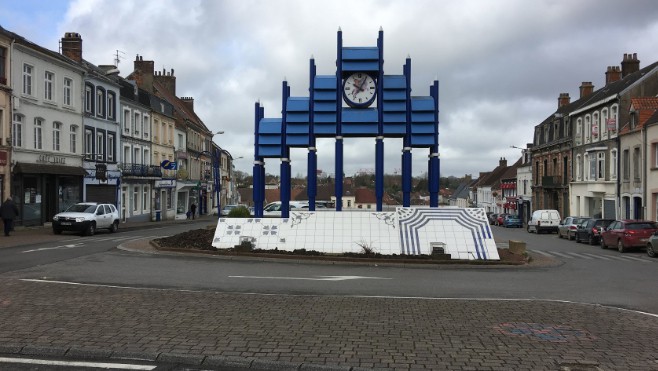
x=193 y=209
x=8 y=211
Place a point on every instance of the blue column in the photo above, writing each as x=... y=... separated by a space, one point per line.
x=338 y=189
x=312 y=162
x=406 y=150
x=284 y=192
x=379 y=144
x=257 y=180
x=218 y=180
x=434 y=164
x=379 y=172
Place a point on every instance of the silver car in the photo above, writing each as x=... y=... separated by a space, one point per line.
x=568 y=227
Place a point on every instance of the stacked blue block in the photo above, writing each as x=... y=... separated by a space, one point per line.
x=297 y=122
x=394 y=105
x=360 y=59
x=423 y=126
x=360 y=122
x=324 y=106
x=269 y=138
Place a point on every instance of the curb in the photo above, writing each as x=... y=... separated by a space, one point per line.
x=219 y=362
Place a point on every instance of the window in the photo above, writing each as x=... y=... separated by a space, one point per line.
x=613 y=164
x=100 y=102
x=136 y=198
x=626 y=164
x=146 y=125
x=27 y=79
x=603 y=128
x=89 y=144
x=111 y=109
x=600 y=165
x=38 y=140
x=546 y=132
x=89 y=98
x=181 y=142
x=588 y=129
x=17 y=133
x=636 y=163
x=595 y=126
x=126 y=122
x=579 y=168
x=48 y=85
x=655 y=156
x=57 y=128
x=100 y=146
x=612 y=122
x=3 y=66
x=137 y=122
x=73 y=139
x=145 y=199
x=110 y=146
x=556 y=130
x=579 y=131
x=592 y=167
x=68 y=86
x=586 y=171
x=146 y=159
x=136 y=156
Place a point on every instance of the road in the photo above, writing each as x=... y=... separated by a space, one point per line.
x=84 y=292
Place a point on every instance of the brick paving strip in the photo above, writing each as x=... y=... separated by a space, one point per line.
x=319 y=332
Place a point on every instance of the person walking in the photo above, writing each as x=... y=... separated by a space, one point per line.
x=8 y=211
x=193 y=209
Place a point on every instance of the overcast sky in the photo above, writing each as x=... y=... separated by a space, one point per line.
x=501 y=64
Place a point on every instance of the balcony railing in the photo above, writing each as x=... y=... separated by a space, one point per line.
x=141 y=170
x=551 y=181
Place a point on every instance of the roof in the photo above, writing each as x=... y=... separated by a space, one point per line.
x=645 y=108
x=365 y=196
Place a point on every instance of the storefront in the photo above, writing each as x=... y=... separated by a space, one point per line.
x=101 y=184
x=164 y=199
x=187 y=193
x=45 y=188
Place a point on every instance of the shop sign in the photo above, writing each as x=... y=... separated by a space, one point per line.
x=3 y=158
x=48 y=159
x=165 y=183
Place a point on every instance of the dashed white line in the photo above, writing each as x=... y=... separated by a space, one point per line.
x=105 y=365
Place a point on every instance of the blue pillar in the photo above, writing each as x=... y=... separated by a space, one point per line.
x=379 y=172
x=379 y=144
x=284 y=191
x=338 y=189
x=312 y=162
x=257 y=180
x=406 y=150
x=434 y=164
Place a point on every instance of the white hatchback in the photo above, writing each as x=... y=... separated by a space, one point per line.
x=86 y=218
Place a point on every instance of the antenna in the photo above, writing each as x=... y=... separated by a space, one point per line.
x=118 y=55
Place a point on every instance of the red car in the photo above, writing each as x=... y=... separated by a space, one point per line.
x=500 y=218
x=628 y=233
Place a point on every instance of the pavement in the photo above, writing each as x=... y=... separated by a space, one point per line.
x=218 y=330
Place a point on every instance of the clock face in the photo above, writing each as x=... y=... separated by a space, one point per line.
x=359 y=90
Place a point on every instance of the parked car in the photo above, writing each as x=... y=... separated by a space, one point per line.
x=512 y=221
x=590 y=230
x=626 y=234
x=568 y=227
x=86 y=218
x=492 y=218
x=652 y=245
x=274 y=208
x=544 y=221
x=227 y=208
x=500 y=218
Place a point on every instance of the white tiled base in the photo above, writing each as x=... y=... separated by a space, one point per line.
x=464 y=233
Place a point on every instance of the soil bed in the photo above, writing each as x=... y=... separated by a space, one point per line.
x=200 y=240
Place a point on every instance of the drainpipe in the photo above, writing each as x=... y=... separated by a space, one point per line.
x=644 y=174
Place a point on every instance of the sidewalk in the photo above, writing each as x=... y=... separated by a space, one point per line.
x=33 y=235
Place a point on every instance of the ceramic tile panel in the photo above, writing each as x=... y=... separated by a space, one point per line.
x=464 y=233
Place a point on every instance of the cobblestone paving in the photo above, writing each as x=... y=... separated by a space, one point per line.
x=373 y=333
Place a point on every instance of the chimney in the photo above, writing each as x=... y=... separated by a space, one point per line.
x=563 y=100
x=502 y=162
x=72 y=46
x=586 y=88
x=612 y=74
x=629 y=65
x=167 y=80
x=189 y=102
x=143 y=73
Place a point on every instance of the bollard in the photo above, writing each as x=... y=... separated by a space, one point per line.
x=517 y=247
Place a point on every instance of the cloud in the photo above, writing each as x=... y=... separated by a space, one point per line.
x=501 y=65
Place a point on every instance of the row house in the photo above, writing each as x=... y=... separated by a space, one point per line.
x=638 y=140
x=46 y=157
x=524 y=184
x=5 y=114
x=488 y=188
x=100 y=124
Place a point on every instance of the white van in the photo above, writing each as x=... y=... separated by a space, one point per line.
x=544 y=221
x=274 y=208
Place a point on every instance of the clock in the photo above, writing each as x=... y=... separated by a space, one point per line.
x=359 y=90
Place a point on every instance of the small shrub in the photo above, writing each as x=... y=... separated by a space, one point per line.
x=244 y=246
x=239 y=212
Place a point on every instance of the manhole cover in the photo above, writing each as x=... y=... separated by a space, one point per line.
x=545 y=332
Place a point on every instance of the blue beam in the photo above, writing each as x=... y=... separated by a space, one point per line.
x=379 y=143
x=312 y=161
x=406 y=150
x=434 y=165
x=284 y=173
x=338 y=187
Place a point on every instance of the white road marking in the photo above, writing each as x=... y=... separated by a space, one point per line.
x=105 y=365
x=596 y=256
x=636 y=259
x=562 y=255
x=55 y=247
x=318 y=278
x=542 y=252
x=580 y=255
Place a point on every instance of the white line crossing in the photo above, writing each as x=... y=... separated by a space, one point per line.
x=634 y=258
x=580 y=255
x=596 y=256
x=562 y=255
x=590 y=256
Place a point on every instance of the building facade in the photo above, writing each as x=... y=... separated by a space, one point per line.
x=5 y=114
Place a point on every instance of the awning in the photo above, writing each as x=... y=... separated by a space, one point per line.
x=26 y=168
